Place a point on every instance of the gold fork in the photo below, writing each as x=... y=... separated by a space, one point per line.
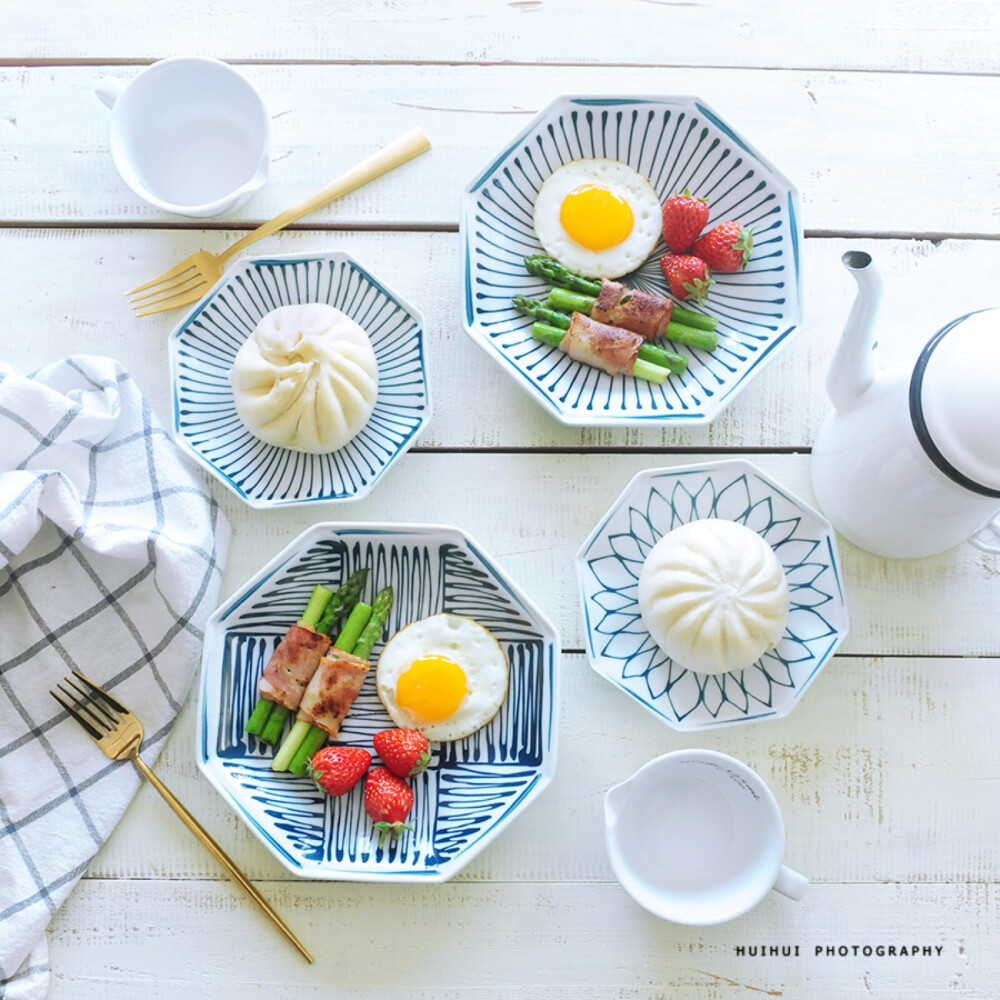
x=193 y=277
x=119 y=734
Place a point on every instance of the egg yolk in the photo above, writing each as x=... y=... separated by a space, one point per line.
x=432 y=688
x=596 y=217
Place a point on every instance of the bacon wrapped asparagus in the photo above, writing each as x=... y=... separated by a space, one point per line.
x=335 y=685
x=611 y=302
x=609 y=348
x=296 y=658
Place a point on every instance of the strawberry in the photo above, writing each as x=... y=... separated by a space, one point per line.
x=684 y=218
x=726 y=248
x=388 y=800
x=405 y=752
x=687 y=276
x=337 y=770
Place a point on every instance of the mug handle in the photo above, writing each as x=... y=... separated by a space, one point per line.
x=109 y=90
x=987 y=538
x=790 y=883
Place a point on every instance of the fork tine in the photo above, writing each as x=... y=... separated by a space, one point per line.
x=184 y=265
x=116 y=705
x=198 y=293
x=87 y=705
x=95 y=733
x=176 y=285
x=192 y=284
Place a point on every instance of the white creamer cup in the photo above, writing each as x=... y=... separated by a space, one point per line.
x=696 y=837
x=189 y=135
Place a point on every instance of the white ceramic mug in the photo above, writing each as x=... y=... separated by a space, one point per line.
x=189 y=135
x=696 y=837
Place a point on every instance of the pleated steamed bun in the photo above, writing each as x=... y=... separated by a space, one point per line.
x=306 y=378
x=713 y=596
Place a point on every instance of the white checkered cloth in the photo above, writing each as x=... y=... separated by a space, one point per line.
x=110 y=558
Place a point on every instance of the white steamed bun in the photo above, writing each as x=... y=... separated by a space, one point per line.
x=713 y=596
x=306 y=378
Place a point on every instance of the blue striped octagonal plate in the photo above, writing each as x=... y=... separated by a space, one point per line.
x=202 y=349
x=473 y=787
x=677 y=143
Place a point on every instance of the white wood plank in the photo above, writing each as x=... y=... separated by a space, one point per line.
x=526 y=940
x=885 y=773
x=827 y=34
x=63 y=294
x=852 y=157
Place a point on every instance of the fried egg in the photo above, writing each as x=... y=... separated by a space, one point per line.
x=599 y=218
x=445 y=675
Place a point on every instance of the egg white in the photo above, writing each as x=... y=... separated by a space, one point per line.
x=625 y=182
x=461 y=640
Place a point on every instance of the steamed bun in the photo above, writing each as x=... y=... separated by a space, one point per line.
x=713 y=596
x=306 y=378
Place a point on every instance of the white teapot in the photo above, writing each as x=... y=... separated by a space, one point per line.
x=908 y=462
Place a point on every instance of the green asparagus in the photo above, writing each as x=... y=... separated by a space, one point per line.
x=646 y=370
x=261 y=714
x=304 y=740
x=588 y=290
x=550 y=317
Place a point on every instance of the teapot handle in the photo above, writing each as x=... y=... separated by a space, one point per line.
x=987 y=538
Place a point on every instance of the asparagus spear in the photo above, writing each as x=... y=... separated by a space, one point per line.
x=681 y=333
x=646 y=370
x=261 y=714
x=304 y=740
x=322 y=612
x=550 y=317
x=556 y=274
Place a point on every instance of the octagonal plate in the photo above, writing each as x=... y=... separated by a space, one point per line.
x=677 y=143
x=202 y=350
x=622 y=650
x=473 y=787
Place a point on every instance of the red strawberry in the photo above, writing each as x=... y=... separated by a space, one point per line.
x=687 y=276
x=405 y=752
x=337 y=770
x=684 y=218
x=388 y=800
x=726 y=248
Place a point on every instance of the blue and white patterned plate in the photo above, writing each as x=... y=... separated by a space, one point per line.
x=677 y=143
x=473 y=787
x=620 y=648
x=202 y=349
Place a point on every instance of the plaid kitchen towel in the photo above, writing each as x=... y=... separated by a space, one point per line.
x=110 y=559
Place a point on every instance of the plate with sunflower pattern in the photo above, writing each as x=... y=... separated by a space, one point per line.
x=621 y=649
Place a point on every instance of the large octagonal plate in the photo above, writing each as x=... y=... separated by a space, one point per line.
x=677 y=143
x=473 y=787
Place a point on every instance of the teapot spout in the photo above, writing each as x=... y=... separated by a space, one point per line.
x=853 y=368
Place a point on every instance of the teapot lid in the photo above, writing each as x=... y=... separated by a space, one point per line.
x=955 y=401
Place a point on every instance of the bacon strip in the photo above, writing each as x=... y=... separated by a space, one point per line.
x=632 y=309
x=605 y=347
x=292 y=665
x=332 y=690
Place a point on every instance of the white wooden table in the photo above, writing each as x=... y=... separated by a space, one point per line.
x=888 y=772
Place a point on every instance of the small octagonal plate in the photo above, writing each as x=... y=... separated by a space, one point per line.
x=473 y=787
x=622 y=650
x=202 y=350
x=677 y=143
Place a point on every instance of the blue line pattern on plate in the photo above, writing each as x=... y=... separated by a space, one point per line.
x=205 y=417
x=472 y=787
x=622 y=649
x=676 y=143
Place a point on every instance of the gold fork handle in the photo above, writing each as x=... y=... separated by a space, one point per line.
x=220 y=855
x=407 y=146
